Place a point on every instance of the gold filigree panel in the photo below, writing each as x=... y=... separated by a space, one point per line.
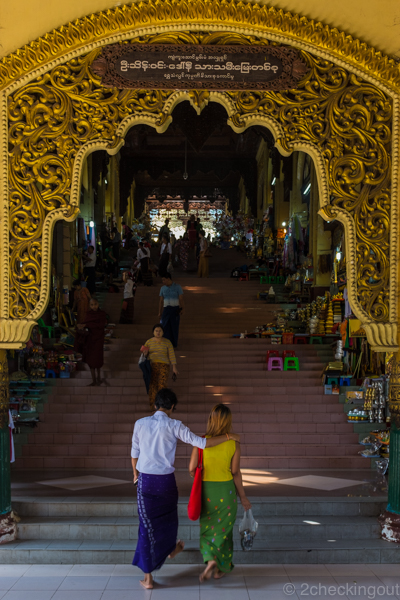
x=345 y=118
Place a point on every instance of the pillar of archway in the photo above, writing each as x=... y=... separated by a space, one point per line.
x=54 y=112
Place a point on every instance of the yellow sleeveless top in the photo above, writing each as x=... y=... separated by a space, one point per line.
x=217 y=462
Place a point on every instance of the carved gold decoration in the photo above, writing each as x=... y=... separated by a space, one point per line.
x=342 y=116
x=4 y=389
x=122 y=21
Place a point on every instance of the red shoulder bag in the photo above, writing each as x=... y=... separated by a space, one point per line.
x=194 y=506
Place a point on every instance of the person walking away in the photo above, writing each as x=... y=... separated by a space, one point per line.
x=203 y=269
x=153 y=451
x=164 y=230
x=93 y=351
x=191 y=230
x=81 y=301
x=184 y=251
x=165 y=256
x=143 y=256
x=90 y=270
x=128 y=303
x=171 y=308
x=161 y=354
x=127 y=233
x=222 y=479
x=110 y=262
x=116 y=242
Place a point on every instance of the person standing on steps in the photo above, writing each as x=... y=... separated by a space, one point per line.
x=116 y=245
x=161 y=354
x=90 y=269
x=81 y=301
x=164 y=230
x=203 y=259
x=171 y=308
x=153 y=456
x=222 y=480
x=165 y=256
x=93 y=350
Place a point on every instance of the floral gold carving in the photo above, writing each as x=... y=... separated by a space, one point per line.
x=337 y=114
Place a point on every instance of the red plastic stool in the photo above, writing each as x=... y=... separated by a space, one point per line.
x=300 y=338
x=275 y=364
x=244 y=277
x=288 y=354
x=272 y=353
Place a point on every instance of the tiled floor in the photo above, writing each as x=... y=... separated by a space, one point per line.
x=180 y=582
x=258 y=482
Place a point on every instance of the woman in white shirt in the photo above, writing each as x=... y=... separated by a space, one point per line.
x=165 y=256
x=153 y=455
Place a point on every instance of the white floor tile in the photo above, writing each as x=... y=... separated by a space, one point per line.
x=128 y=595
x=84 y=583
x=176 y=582
x=126 y=571
x=316 y=482
x=353 y=570
x=266 y=583
x=48 y=571
x=22 y=595
x=173 y=594
x=306 y=570
x=391 y=580
x=124 y=583
x=38 y=583
x=85 y=482
x=224 y=594
x=92 y=570
x=77 y=595
x=261 y=570
x=13 y=570
x=6 y=583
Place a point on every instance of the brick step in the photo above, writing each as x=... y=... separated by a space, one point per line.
x=284 y=528
x=63 y=432
x=310 y=506
x=120 y=447
x=119 y=402
x=263 y=552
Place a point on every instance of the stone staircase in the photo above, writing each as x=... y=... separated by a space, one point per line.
x=285 y=422
x=291 y=530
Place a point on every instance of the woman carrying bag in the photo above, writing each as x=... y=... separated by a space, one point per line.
x=221 y=480
x=161 y=354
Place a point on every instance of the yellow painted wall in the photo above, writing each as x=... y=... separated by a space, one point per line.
x=377 y=23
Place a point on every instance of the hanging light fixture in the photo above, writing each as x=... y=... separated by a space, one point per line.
x=185 y=174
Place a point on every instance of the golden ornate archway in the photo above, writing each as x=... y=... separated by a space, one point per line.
x=54 y=112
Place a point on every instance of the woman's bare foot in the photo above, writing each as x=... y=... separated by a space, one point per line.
x=208 y=571
x=92 y=384
x=219 y=574
x=179 y=547
x=147 y=582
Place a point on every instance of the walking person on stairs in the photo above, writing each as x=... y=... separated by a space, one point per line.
x=161 y=354
x=222 y=480
x=153 y=456
x=93 y=350
x=171 y=308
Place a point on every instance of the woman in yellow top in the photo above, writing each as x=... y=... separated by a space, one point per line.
x=161 y=354
x=222 y=480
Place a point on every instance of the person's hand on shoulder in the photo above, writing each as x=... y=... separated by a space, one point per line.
x=235 y=437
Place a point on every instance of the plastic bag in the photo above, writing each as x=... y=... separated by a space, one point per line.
x=247 y=528
x=170 y=268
